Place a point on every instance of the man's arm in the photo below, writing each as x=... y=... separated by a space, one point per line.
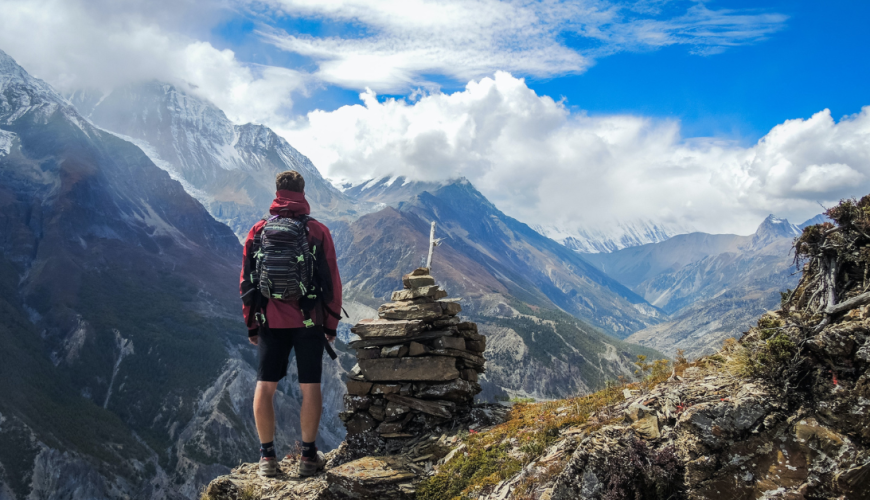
x=330 y=323
x=247 y=290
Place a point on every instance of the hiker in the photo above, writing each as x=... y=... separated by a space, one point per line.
x=291 y=293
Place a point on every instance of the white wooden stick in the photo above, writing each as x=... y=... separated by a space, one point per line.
x=432 y=244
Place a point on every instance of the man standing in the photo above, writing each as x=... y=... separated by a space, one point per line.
x=291 y=295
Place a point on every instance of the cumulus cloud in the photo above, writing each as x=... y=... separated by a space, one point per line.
x=76 y=44
x=405 y=40
x=544 y=164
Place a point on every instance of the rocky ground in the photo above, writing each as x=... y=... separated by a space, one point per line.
x=393 y=476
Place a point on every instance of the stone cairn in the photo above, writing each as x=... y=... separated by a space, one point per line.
x=417 y=367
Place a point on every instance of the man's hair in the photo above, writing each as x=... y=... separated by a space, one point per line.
x=290 y=180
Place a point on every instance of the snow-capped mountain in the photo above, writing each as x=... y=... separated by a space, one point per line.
x=612 y=236
x=391 y=190
x=774 y=228
x=229 y=168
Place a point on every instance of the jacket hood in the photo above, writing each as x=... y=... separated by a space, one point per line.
x=289 y=204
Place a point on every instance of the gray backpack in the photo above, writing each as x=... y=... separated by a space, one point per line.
x=285 y=263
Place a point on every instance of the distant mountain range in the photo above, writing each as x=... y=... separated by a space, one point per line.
x=712 y=286
x=612 y=235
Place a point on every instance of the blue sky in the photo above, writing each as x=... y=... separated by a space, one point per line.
x=704 y=114
x=817 y=59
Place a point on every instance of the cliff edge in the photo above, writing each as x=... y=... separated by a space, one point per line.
x=781 y=413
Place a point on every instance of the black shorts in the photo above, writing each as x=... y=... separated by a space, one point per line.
x=274 y=351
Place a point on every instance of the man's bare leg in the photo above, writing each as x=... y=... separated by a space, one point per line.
x=312 y=405
x=264 y=410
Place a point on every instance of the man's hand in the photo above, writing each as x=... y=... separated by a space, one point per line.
x=252 y=336
x=330 y=335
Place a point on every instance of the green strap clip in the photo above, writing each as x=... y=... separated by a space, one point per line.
x=308 y=323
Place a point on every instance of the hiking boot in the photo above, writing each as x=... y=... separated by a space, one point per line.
x=310 y=466
x=268 y=467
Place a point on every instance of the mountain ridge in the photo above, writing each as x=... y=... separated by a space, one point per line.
x=228 y=167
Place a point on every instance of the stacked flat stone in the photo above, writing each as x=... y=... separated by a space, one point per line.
x=417 y=364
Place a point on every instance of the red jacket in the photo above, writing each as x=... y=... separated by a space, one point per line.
x=281 y=314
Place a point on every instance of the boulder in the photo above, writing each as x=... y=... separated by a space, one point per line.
x=389 y=427
x=450 y=308
x=417 y=349
x=359 y=423
x=358 y=387
x=436 y=369
x=401 y=311
x=432 y=292
x=369 y=328
x=370 y=477
x=412 y=281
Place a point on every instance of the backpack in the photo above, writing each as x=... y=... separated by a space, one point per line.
x=284 y=262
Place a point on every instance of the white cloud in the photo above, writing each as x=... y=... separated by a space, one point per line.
x=76 y=44
x=403 y=41
x=543 y=164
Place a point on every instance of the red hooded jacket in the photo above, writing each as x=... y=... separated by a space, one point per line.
x=281 y=314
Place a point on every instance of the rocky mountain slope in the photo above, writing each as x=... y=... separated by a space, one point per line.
x=713 y=286
x=516 y=284
x=124 y=367
x=229 y=168
x=778 y=415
